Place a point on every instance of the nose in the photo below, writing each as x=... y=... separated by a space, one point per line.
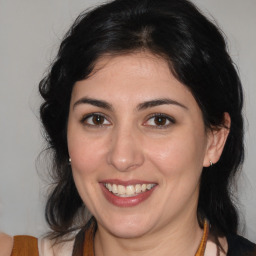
x=125 y=151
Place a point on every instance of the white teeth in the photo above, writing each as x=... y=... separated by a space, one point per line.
x=138 y=188
x=128 y=191
x=121 y=189
x=109 y=187
x=114 y=189
x=149 y=186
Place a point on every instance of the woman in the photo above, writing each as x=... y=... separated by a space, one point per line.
x=142 y=111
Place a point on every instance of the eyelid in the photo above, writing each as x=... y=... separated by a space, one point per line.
x=89 y=115
x=169 y=118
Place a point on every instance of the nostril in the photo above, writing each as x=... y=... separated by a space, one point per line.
x=125 y=152
x=125 y=158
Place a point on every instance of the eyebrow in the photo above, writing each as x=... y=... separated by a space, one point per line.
x=94 y=102
x=141 y=106
x=158 y=102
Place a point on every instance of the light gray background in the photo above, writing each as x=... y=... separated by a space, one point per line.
x=30 y=33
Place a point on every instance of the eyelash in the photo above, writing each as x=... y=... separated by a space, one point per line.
x=92 y=115
x=171 y=121
x=166 y=118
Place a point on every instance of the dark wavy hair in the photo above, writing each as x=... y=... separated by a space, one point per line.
x=197 y=55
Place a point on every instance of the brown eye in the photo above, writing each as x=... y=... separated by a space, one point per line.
x=95 y=120
x=98 y=120
x=160 y=120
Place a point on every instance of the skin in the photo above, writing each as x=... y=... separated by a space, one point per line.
x=130 y=143
x=6 y=243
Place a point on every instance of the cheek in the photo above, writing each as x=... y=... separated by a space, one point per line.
x=85 y=154
x=85 y=162
x=179 y=162
x=179 y=155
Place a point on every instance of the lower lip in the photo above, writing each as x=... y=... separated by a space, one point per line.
x=126 y=201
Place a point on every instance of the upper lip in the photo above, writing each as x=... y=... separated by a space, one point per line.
x=126 y=182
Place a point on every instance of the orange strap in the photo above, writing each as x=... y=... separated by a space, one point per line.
x=88 y=249
x=25 y=246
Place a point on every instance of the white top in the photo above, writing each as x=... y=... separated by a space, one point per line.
x=46 y=248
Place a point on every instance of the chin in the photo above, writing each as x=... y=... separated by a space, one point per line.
x=128 y=227
x=128 y=233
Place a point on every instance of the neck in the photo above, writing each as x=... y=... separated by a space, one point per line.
x=182 y=237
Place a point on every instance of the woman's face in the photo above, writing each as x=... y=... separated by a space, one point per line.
x=138 y=144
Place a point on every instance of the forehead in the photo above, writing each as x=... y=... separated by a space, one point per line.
x=141 y=73
x=139 y=64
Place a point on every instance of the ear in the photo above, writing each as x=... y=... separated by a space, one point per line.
x=216 y=142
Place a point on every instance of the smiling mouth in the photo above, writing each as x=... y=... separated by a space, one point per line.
x=128 y=191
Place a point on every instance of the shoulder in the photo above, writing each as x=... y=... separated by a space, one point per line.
x=6 y=243
x=238 y=245
x=46 y=247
